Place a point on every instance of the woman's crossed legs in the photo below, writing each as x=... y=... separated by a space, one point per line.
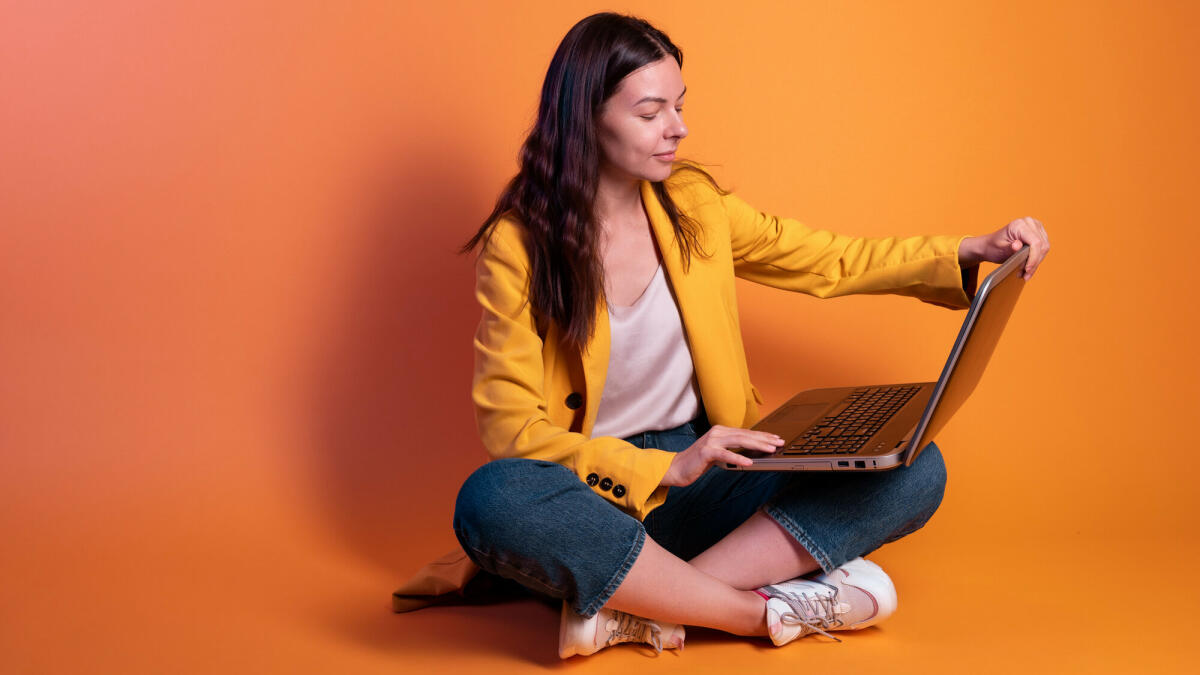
x=709 y=545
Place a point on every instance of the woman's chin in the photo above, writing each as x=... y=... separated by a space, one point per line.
x=660 y=173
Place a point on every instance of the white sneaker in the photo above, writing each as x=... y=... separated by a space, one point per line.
x=582 y=636
x=855 y=595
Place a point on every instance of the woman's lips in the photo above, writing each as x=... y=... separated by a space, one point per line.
x=667 y=156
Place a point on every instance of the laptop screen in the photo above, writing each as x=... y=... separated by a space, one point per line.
x=977 y=339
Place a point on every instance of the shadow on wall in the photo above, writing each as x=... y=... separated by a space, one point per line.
x=392 y=429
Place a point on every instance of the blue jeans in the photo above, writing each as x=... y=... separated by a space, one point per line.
x=535 y=522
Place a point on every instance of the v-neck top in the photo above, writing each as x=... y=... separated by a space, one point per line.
x=650 y=384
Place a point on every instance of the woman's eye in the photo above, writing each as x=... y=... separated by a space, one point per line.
x=646 y=117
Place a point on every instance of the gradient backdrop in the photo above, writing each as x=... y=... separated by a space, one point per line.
x=235 y=339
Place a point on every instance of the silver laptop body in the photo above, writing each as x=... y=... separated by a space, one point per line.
x=878 y=427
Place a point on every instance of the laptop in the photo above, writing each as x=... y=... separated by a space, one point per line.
x=880 y=427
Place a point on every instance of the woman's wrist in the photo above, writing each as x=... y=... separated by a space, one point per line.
x=668 y=479
x=970 y=251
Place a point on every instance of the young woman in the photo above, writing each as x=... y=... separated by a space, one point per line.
x=610 y=376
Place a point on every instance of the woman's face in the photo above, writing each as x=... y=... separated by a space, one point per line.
x=641 y=124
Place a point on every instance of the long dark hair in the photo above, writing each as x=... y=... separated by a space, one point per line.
x=553 y=193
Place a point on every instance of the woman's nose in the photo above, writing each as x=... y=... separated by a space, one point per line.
x=678 y=129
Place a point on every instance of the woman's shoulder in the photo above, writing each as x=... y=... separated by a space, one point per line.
x=504 y=246
x=691 y=185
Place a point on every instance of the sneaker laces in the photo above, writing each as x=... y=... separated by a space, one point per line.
x=623 y=627
x=813 y=610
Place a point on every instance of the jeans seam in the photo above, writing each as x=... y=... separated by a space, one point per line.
x=516 y=571
x=801 y=536
x=627 y=564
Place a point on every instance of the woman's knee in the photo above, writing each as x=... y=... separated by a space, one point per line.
x=926 y=486
x=499 y=497
x=933 y=473
x=535 y=522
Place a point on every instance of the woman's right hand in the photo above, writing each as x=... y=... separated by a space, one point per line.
x=713 y=448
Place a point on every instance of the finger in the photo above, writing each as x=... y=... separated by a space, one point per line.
x=1027 y=233
x=759 y=440
x=732 y=458
x=1042 y=251
x=1035 y=259
x=1039 y=247
x=736 y=434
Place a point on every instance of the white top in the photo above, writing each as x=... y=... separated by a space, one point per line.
x=651 y=384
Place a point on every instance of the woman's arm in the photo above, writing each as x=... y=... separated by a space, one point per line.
x=786 y=253
x=511 y=410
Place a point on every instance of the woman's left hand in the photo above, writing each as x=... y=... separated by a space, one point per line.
x=999 y=245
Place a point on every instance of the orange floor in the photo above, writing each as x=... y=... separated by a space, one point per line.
x=266 y=591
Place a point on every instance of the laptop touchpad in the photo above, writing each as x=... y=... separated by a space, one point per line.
x=799 y=413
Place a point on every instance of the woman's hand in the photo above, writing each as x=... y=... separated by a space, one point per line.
x=713 y=448
x=999 y=245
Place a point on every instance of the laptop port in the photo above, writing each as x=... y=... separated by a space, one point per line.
x=860 y=464
x=844 y=463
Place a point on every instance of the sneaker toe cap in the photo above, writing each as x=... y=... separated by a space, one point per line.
x=875 y=597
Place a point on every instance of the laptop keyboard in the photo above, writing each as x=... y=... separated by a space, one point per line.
x=848 y=431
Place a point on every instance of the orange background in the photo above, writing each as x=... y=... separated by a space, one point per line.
x=235 y=344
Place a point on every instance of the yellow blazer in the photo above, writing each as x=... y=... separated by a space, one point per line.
x=534 y=399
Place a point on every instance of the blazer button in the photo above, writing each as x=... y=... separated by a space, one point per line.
x=618 y=491
x=606 y=484
x=574 y=400
x=592 y=479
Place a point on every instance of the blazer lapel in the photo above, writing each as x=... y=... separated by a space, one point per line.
x=701 y=308
x=702 y=312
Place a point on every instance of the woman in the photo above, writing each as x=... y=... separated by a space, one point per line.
x=610 y=377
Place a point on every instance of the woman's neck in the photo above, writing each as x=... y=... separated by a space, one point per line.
x=618 y=202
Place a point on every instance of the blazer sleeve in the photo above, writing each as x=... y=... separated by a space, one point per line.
x=509 y=396
x=786 y=253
